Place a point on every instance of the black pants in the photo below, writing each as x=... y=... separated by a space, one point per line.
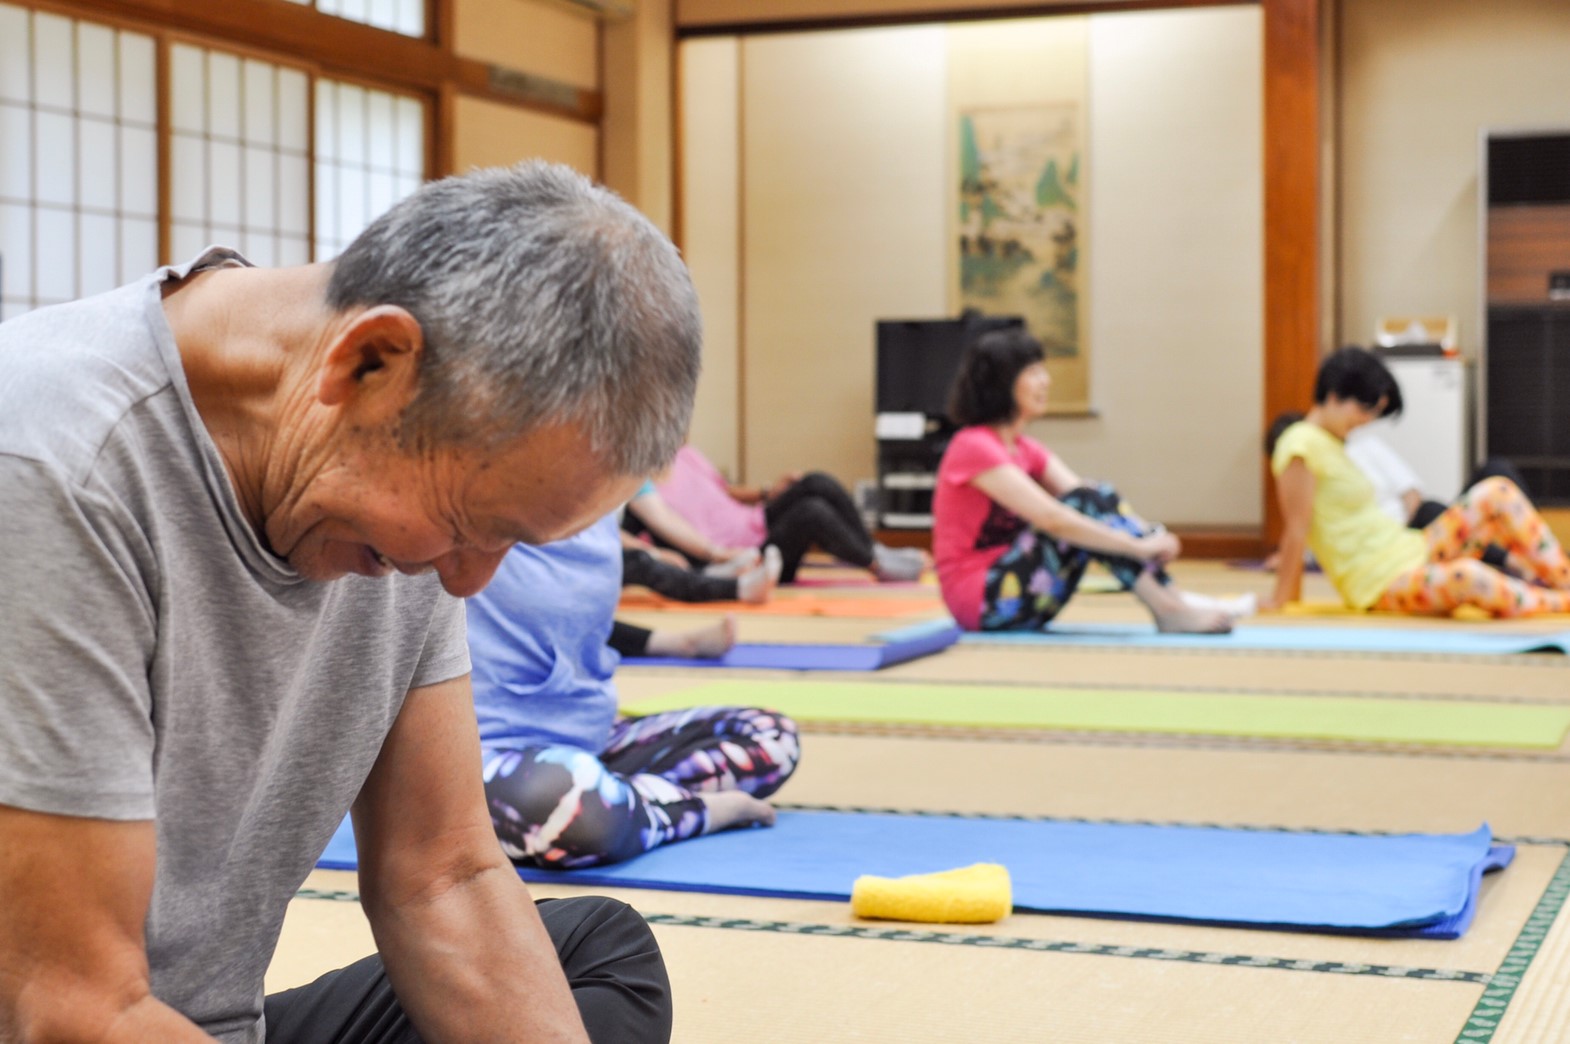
x=816 y=511
x=684 y=585
x=629 y=639
x=609 y=954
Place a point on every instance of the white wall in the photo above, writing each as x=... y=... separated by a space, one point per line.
x=1419 y=80
x=846 y=156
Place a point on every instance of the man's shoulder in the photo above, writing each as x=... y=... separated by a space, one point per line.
x=70 y=375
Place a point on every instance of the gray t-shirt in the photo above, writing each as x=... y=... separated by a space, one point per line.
x=158 y=662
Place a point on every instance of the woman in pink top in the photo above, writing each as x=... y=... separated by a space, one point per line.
x=1014 y=527
x=799 y=512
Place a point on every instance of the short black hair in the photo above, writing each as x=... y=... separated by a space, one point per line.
x=1356 y=373
x=983 y=390
x=1278 y=427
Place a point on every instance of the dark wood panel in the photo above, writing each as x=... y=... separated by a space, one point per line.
x=752 y=16
x=1292 y=195
x=1525 y=243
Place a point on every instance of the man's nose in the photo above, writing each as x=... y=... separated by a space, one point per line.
x=466 y=572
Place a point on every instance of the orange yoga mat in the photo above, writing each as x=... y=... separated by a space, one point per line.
x=807 y=605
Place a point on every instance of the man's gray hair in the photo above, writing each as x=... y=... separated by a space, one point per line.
x=543 y=298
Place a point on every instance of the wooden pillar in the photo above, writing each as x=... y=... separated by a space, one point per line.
x=1293 y=190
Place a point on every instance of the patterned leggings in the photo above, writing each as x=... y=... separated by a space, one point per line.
x=1036 y=577
x=1492 y=512
x=560 y=807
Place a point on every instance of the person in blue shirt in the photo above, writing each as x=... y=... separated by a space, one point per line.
x=569 y=783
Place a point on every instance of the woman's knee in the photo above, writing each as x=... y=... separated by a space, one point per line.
x=1498 y=489
x=560 y=807
x=819 y=484
x=1102 y=498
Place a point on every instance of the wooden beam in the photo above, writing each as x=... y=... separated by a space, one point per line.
x=1292 y=199
x=746 y=16
x=337 y=45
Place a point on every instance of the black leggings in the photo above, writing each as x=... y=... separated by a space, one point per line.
x=629 y=639
x=612 y=962
x=684 y=585
x=816 y=511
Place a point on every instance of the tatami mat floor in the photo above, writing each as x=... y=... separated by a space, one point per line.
x=784 y=970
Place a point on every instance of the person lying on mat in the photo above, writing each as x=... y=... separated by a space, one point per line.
x=690 y=567
x=1013 y=527
x=241 y=508
x=568 y=783
x=1329 y=506
x=796 y=514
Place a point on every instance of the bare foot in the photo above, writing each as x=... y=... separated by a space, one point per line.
x=1193 y=620
x=713 y=641
x=1174 y=615
x=706 y=643
x=735 y=808
x=757 y=585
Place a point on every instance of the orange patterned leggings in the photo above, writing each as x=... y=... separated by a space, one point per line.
x=1493 y=511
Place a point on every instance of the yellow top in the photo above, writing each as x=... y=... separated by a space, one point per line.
x=1360 y=548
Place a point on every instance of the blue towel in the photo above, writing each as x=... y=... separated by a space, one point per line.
x=1287 y=639
x=919 y=642
x=1410 y=885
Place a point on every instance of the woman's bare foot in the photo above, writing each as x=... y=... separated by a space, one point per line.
x=1190 y=620
x=735 y=808
x=757 y=585
x=704 y=643
x=1173 y=615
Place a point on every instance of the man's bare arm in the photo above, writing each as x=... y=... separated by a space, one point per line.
x=463 y=945
x=74 y=894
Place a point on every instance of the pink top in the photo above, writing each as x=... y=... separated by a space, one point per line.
x=697 y=492
x=969 y=531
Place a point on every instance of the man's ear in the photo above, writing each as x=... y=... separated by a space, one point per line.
x=374 y=359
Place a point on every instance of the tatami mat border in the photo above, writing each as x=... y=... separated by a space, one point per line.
x=995 y=942
x=1225 y=690
x=1551 y=660
x=787 y=806
x=1172 y=741
x=1502 y=985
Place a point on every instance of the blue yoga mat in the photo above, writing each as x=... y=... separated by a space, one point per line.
x=1421 y=885
x=919 y=642
x=1289 y=639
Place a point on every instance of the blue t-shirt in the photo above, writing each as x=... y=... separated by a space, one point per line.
x=542 y=670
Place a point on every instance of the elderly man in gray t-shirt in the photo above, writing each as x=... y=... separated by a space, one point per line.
x=233 y=498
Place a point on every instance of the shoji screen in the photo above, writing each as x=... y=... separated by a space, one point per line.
x=399 y=16
x=370 y=153
x=78 y=158
x=240 y=156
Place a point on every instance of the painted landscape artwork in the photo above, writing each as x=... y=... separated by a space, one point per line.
x=1020 y=230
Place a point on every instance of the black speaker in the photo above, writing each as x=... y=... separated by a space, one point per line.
x=1528 y=168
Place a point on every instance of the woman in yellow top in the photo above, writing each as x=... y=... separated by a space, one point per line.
x=1328 y=506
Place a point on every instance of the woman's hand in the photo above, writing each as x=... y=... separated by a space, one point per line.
x=669 y=557
x=1159 y=548
x=781 y=484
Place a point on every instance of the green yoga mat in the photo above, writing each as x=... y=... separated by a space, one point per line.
x=1363 y=720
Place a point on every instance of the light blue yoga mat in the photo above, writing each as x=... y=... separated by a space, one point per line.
x=1411 y=885
x=917 y=643
x=1287 y=639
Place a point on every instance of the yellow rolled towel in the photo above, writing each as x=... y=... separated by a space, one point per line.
x=974 y=894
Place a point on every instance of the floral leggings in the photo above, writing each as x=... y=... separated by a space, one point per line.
x=1492 y=512
x=561 y=807
x=1037 y=576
